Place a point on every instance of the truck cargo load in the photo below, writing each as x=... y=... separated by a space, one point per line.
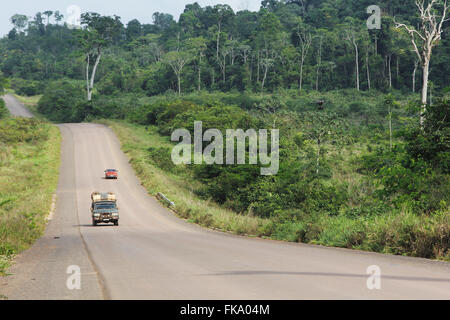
x=107 y=196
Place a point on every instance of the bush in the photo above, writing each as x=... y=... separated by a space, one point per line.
x=27 y=87
x=3 y=110
x=409 y=234
x=161 y=157
x=342 y=232
x=17 y=130
x=63 y=101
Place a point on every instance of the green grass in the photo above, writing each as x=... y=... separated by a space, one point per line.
x=392 y=232
x=29 y=168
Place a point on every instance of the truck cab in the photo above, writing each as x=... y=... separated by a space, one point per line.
x=104 y=208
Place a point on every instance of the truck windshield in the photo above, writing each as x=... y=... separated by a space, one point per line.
x=105 y=206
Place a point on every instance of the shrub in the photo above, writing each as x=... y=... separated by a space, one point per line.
x=27 y=87
x=63 y=101
x=3 y=110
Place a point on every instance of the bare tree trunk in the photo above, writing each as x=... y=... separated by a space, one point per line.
x=367 y=67
x=224 y=68
x=199 y=73
x=429 y=34
x=305 y=41
x=301 y=76
x=424 y=95
x=357 y=64
x=319 y=61
x=264 y=79
x=94 y=70
x=251 y=69
x=431 y=94
x=257 y=75
x=87 y=79
x=390 y=129
x=416 y=64
x=389 y=70
x=90 y=82
x=318 y=156
x=218 y=41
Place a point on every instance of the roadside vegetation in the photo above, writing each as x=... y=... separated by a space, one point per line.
x=366 y=196
x=364 y=157
x=29 y=166
x=177 y=183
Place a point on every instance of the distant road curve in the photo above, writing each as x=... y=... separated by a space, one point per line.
x=154 y=255
x=16 y=108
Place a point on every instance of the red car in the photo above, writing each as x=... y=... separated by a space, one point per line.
x=111 y=174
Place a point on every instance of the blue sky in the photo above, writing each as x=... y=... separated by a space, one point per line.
x=126 y=9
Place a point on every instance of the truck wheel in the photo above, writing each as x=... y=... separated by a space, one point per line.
x=94 y=223
x=116 y=223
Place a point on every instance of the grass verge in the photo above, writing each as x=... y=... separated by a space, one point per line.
x=29 y=168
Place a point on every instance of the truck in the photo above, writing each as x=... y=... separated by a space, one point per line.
x=104 y=208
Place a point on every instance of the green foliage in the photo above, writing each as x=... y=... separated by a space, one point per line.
x=27 y=87
x=344 y=179
x=22 y=130
x=3 y=110
x=224 y=49
x=63 y=101
x=29 y=163
x=432 y=144
x=295 y=205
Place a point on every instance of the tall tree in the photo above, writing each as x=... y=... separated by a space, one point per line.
x=98 y=32
x=321 y=127
x=320 y=37
x=58 y=17
x=163 y=21
x=432 y=18
x=305 y=40
x=19 y=21
x=177 y=60
x=352 y=35
x=266 y=63
x=48 y=13
x=223 y=13
x=134 y=29
x=198 y=47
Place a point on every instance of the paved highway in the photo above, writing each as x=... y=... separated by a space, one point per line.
x=154 y=255
x=15 y=107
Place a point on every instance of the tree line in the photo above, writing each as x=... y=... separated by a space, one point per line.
x=315 y=45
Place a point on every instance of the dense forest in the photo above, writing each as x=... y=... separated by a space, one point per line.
x=358 y=168
x=299 y=45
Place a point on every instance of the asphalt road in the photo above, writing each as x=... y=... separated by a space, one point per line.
x=154 y=255
x=15 y=107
